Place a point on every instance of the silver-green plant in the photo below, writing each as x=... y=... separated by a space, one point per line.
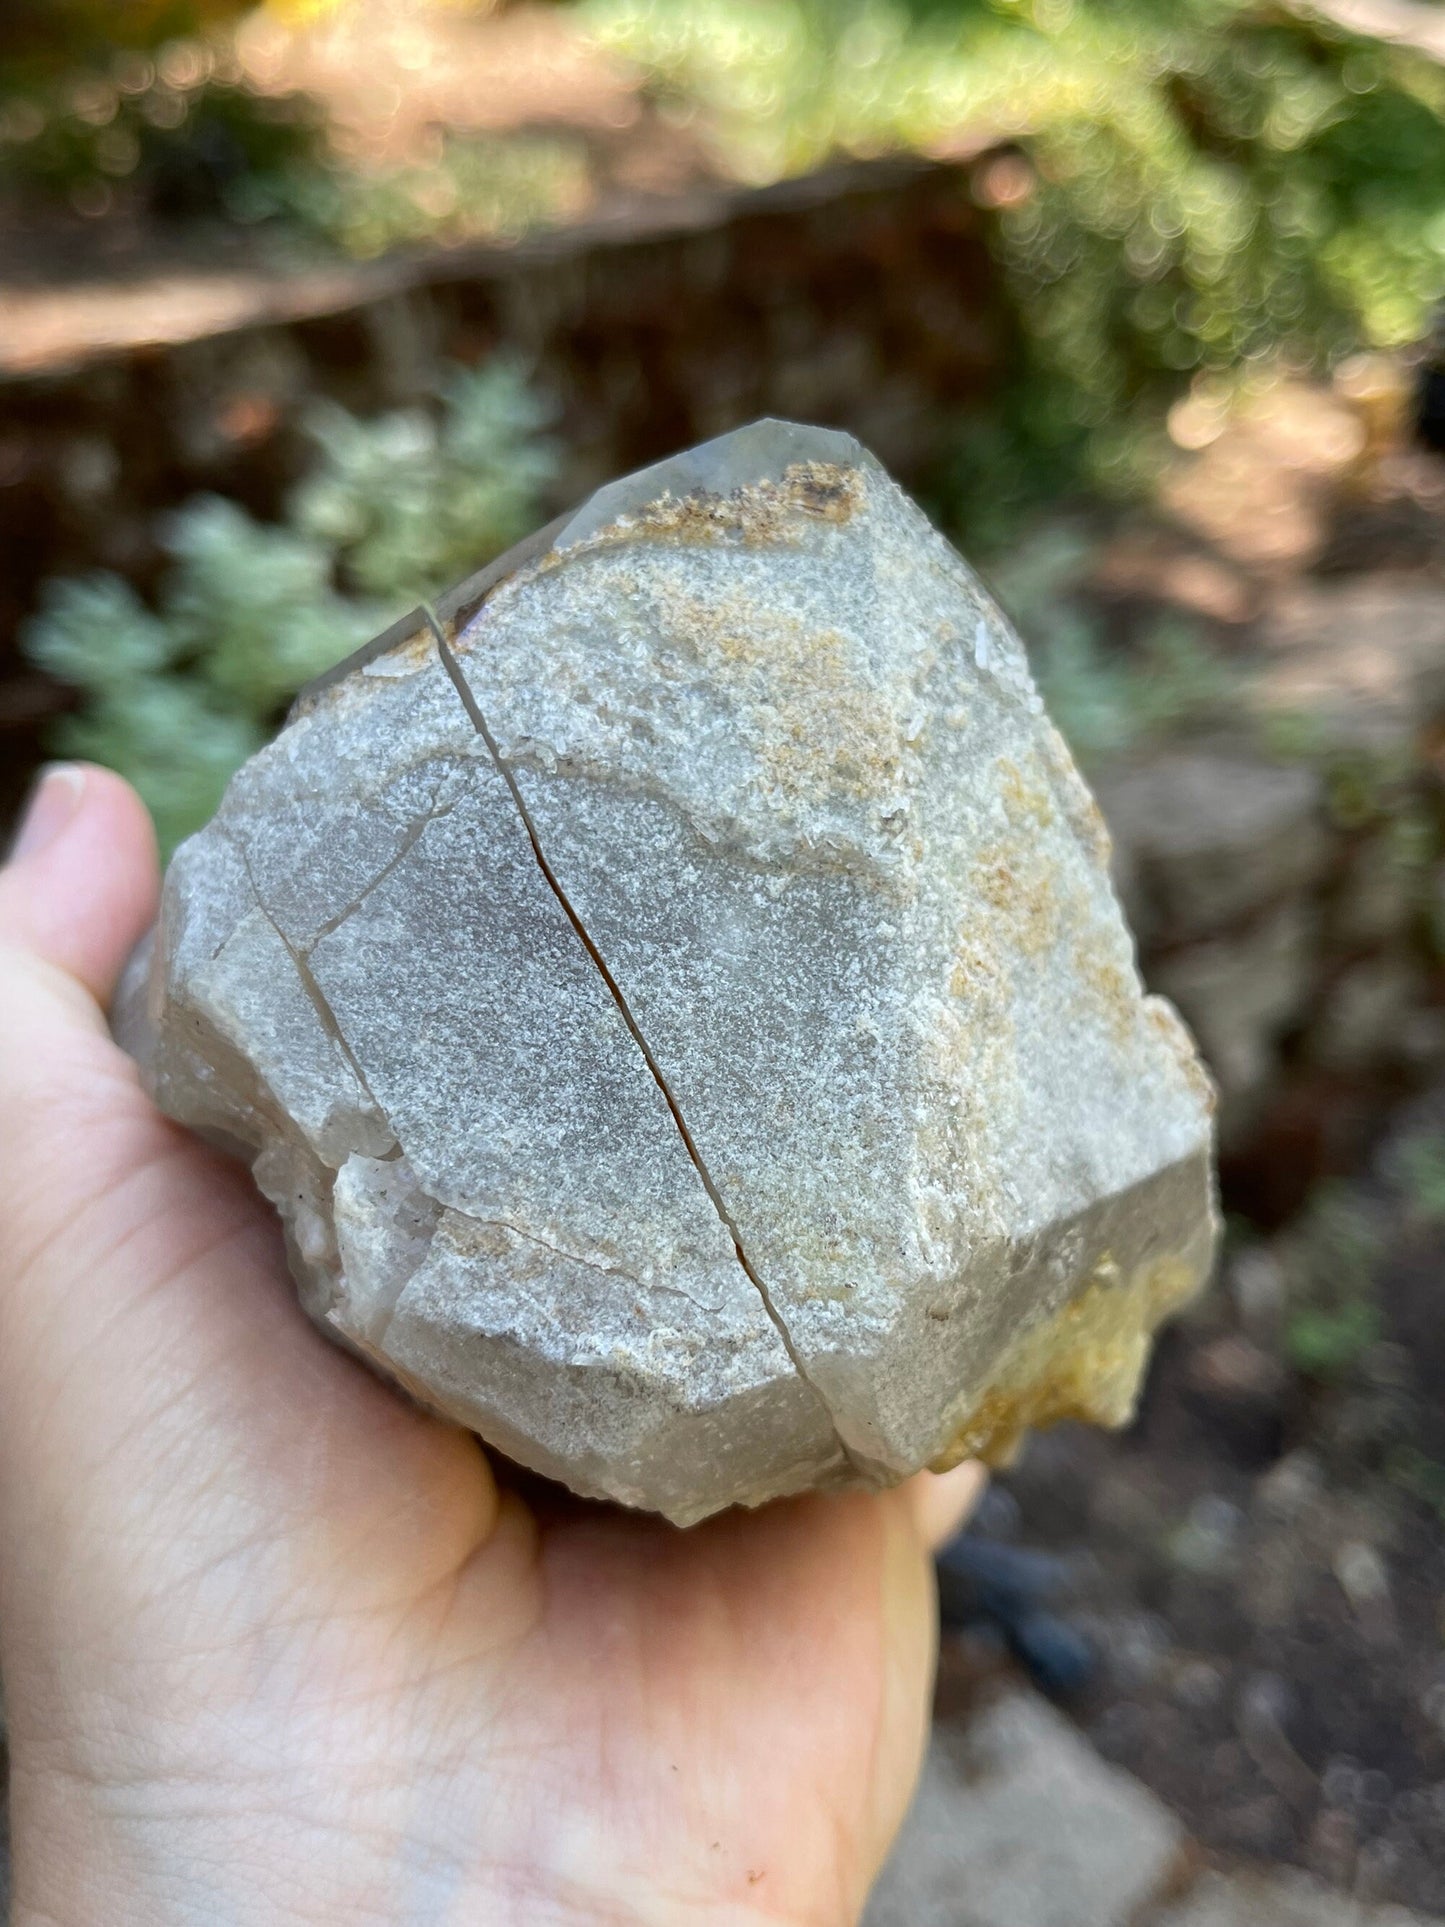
x=407 y=501
x=144 y=712
x=395 y=509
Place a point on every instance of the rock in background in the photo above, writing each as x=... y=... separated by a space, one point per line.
x=1018 y=1823
x=1281 y=855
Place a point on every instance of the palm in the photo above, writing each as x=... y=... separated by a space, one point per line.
x=284 y=1584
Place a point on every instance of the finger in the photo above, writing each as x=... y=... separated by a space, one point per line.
x=942 y=1501
x=81 y=881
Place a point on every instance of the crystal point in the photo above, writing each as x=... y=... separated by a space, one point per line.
x=677 y=1003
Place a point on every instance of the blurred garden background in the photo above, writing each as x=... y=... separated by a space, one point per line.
x=308 y=309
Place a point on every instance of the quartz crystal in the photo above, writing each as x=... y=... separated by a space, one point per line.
x=674 y=996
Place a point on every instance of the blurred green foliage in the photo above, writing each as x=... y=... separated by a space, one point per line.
x=497 y=188
x=1328 y=1344
x=46 y=37
x=1419 y=1173
x=149 y=709
x=412 y=501
x=1169 y=190
x=398 y=507
x=1186 y=187
x=1333 y=1315
x=1421 y=1476
x=176 y=136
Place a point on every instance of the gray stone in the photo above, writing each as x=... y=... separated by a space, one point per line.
x=1239 y=995
x=680 y=1010
x=1363 y=661
x=1212 y=838
x=1375 y=900
x=1018 y=1823
x=1364 y=1014
x=1276 y=1900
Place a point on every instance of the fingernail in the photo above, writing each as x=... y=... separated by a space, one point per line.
x=53 y=802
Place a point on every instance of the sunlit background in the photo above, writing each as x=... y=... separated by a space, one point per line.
x=307 y=310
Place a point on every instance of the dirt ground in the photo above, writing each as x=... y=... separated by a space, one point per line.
x=1267 y=1616
x=1258 y=1564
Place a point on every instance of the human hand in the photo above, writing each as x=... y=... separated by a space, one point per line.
x=277 y=1647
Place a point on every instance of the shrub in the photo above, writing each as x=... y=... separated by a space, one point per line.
x=1184 y=187
x=177 y=136
x=477 y=187
x=395 y=509
x=401 y=500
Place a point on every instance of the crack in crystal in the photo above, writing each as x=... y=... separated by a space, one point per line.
x=408 y=843
x=383 y=1324
x=576 y=1258
x=526 y=1238
x=473 y=708
x=313 y=990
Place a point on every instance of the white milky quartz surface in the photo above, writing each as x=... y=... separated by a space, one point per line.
x=680 y=1010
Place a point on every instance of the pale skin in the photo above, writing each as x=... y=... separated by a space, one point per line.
x=278 y=1648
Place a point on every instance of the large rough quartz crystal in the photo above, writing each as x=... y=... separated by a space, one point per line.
x=675 y=998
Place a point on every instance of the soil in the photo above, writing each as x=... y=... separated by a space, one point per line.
x=1259 y=1563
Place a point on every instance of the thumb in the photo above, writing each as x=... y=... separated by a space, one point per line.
x=80 y=883
x=76 y=892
